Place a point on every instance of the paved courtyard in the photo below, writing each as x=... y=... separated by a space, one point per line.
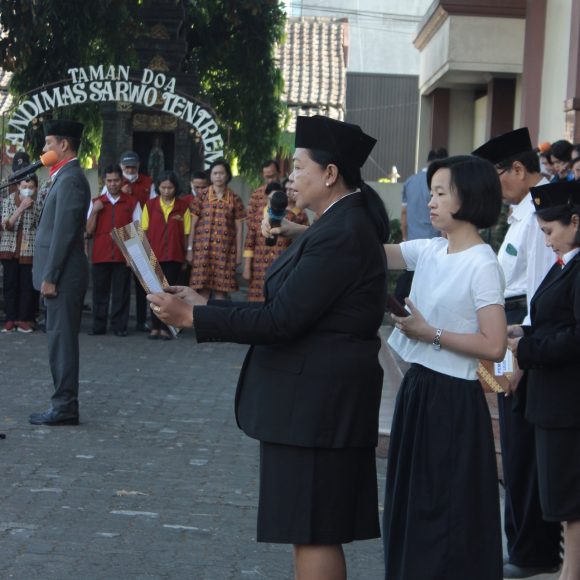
x=156 y=483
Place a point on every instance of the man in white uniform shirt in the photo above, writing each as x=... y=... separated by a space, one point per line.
x=533 y=544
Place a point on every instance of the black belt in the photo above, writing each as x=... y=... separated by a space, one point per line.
x=516 y=302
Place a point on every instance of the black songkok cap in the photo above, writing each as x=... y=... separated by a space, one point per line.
x=345 y=141
x=505 y=146
x=20 y=160
x=555 y=194
x=63 y=128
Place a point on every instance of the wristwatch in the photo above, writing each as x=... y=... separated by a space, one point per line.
x=437 y=339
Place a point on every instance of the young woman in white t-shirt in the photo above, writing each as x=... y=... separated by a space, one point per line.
x=441 y=517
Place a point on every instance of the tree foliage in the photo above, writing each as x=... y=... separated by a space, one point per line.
x=42 y=39
x=230 y=43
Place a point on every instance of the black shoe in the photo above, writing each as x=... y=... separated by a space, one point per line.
x=121 y=333
x=513 y=571
x=53 y=418
x=94 y=332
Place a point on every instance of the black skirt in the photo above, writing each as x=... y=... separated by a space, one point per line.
x=558 y=456
x=317 y=496
x=442 y=513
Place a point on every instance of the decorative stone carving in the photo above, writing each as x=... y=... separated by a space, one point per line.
x=146 y=122
x=158 y=63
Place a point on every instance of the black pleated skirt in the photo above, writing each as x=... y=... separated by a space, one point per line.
x=442 y=513
x=317 y=496
x=558 y=456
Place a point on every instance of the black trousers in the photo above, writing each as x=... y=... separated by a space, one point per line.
x=140 y=302
x=172 y=272
x=531 y=541
x=111 y=284
x=20 y=297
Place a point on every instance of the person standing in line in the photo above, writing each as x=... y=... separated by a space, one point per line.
x=415 y=222
x=18 y=222
x=140 y=186
x=166 y=221
x=60 y=269
x=260 y=253
x=549 y=350
x=111 y=276
x=560 y=156
x=217 y=221
x=533 y=544
x=441 y=509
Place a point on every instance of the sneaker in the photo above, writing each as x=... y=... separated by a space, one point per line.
x=24 y=327
x=10 y=326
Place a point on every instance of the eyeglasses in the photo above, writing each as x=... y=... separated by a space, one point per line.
x=501 y=172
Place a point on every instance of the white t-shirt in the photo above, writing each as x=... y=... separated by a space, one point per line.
x=448 y=290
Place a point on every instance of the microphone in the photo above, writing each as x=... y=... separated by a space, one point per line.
x=47 y=159
x=276 y=213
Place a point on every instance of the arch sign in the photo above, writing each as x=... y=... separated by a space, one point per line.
x=108 y=83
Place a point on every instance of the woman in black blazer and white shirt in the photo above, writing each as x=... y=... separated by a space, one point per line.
x=310 y=386
x=549 y=350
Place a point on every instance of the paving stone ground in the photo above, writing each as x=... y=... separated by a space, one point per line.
x=156 y=483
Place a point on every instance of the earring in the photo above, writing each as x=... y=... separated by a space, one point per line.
x=327 y=184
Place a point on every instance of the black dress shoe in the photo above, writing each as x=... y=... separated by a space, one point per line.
x=53 y=418
x=94 y=332
x=513 y=571
x=121 y=333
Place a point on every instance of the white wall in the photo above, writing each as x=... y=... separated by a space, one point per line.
x=555 y=70
x=479 y=122
x=381 y=33
x=461 y=112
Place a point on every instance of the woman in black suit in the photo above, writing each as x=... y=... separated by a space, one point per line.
x=310 y=386
x=549 y=350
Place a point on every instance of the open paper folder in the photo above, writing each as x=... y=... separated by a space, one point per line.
x=140 y=257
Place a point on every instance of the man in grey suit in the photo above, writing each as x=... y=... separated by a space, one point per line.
x=60 y=269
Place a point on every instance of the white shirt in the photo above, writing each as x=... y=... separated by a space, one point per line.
x=152 y=192
x=136 y=212
x=448 y=290
x=524 y=257
x=569 y=255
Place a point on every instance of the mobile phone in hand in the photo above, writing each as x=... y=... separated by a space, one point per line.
x=396 y=307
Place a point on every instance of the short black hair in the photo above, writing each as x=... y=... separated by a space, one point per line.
x=529 y=159
x=562 y=214
x=271 y=162
x=440 y=153
x=561 y=150
x=113 y=168
x=273 y=186
x=168 y=176
x=477 y=185
x=199 y=175
x=225 y=165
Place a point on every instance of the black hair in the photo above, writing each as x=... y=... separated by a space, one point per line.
x=477 y=185
x=73 y=142
x=31 y=177
x=271 y=162
x=285 y=182
x=168 y=176
x=352 y=179
x=440 y=153
x=273 y=186
x=199 y=175
x=529 y=159
x=113 y=169
x=225 y=165
x=561 y=150
x=562 y=214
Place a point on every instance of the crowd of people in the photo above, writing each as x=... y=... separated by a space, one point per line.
x=197 y=236
x=310 y=387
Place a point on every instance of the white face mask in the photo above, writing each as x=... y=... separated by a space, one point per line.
x=131 y=178
x=26 y=192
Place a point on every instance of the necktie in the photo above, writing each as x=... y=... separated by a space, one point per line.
x=560 y=262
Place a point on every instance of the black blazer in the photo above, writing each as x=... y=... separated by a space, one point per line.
x=312 y=377
x=550 y=349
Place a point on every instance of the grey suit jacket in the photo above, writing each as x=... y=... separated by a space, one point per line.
x=59 y=254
